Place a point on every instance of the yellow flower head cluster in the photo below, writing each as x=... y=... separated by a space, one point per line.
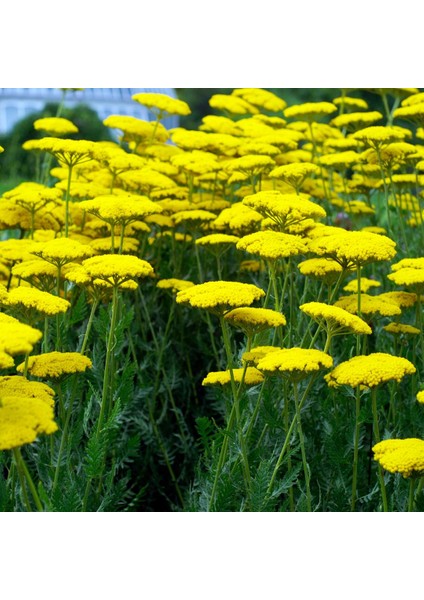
x=256 y=354
x=23 y=419
x=337 y=319
x=16 y=385
x=294 y=363
x=420 y=397
x=325 y=269
x=366 y=284
x=260 y=98
x=401 y=299
x=16 y=337
x=250 y=164
x=122 y=208
x=347 y=103
x=310 y=111
x=238 y=218
x=401 y=328
x=372 y=306
x=162 y=104
x=173 y=284
x=28 y=300
x=354 y=247
x=356 y=120
x=217 y=239
x=53 y=365
x=378 y=136
x=57 y=126
x=62 y=250
x=284 y=209
x=272 y=245
x=414 y=113
x=254 y=320
x=220 y=296
x=251 y=377
x=294 y=174
x=68 y=152
x=370 y=371
x=115 y=269
x=409 y=277
x=232 y=104
x=136 y=130
x=405 y=456
x=340 y=160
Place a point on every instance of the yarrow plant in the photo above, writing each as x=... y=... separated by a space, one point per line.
x=226 y=317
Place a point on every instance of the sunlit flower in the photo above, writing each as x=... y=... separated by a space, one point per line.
x=370 y=371
x=254 y=320
x=220 y=296
x=57 y=126
x=54 y=365
x=250 y=375
x=16 y=385
x=23 y=419
x=334 y=319
x=366 y=284
x=404 y=456
x=294 y=363
x=272 y=245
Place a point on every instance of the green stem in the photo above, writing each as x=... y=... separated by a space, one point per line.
x=411 y=494
x=377 y=440
x=302 y=445
x=94 y=306
x=67 y=197
x=356 y=449
x=23 y=470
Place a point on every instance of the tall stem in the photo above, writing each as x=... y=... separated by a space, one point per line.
x=377 y=440
x=356 y=449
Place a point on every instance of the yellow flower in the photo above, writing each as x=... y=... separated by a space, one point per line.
x=6 y=361
x=310 y=111
x=366 y=284
x=294 y=174
x=405 y=456
x=294 y=363
x=356 y=120
x=346 y=102
x=401 y=299
x=409 y=277
x=414 y=113
x=401 y=328
x=370 y=371
x=16 y=385
x=32 y=303
x=284 y=209
x=120 y=209
x=255 y=354
x=68 y=152
x=371 y=306
x=232 y=104
x=351 y=248
x=217 y=239
x=255 y=320
x=137 y=131
x=173 y=284
x=336 y=320
x=162 y=104
x=251 y=377
x=260 y=98
x=420 y=397
x=115 y=269
x=23 y=419
x=220 y=296
x=54 y=365
x=238 y=218
x=272 y=245
x=16 y=337
x=61 y=251
x=325 y=269
x=378 y=136
x=56 y=126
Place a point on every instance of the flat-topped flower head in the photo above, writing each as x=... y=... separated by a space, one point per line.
x=120 y=209
x=55 y=365
x=232 y=105
x=340 y=161
x=351 y=248
x=162 y=104
x=255 y=354
x=6 y=361
x=378 y=136
x=61 y=251
x=401 y=299
x=366 y=284
x=67 y=152
x=253 y=320
x=404 y=456
x=218 y=239
x=420 y=397
x=261 y=98
x=272 y=245
x=238 y=219
x=294 y=174
x=174 y=285
x=324 y=269
x=334 y=319
x=310 y=111
x=401 y=329
x=116 y=269
x=30 y=303
x=294 y=364
x=250 y=376
x=16 y=385
x=284 y=209
x=23 y=419
x=371 y=306
x=414 y=113
x=356 y=120
x=136 y=131
x=370 y=371
x=248 y=165
x=56 y=126
x=16 y=337
x=349 y=103
x=410 y=277
x=220 y=296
